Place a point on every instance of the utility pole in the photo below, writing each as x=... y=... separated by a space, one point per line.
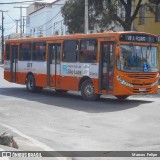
x=2 y=35
x=86 y=17
x=23 y=24
x=17 y=25
x=20 y=19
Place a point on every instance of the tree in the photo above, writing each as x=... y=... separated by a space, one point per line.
x=153 y=6
x=118 y=11
x=73 y=14
x=102 y=13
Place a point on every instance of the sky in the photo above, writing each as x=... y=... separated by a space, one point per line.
x=13 y=14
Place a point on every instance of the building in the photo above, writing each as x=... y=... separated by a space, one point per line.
x=44 y=19
x=148 y=20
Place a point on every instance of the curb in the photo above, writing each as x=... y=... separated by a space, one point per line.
x=34 y=141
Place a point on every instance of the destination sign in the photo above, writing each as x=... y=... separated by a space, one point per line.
x=138 y=38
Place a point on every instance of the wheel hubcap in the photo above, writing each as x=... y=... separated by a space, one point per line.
x=30 y=84
x=89 y=90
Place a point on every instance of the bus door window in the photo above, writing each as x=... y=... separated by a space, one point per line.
x=88 y=50
x=107 y=64
x=14 y=54
x=53 y=64
x=55 y=53
x=14 y=63
x=7 y=51
x=39 y=51
x=51 y=54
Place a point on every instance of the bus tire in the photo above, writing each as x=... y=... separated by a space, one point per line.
x=87 y=91
x=122 y=97
x=31 y=84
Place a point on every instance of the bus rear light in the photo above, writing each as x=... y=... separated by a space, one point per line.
x=122 y=81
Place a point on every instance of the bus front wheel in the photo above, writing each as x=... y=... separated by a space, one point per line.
x=31 y=84
x=87 y=91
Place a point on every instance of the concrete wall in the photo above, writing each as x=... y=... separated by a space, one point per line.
x=46 y=21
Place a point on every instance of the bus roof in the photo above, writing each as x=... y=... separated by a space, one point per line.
x=107 y=34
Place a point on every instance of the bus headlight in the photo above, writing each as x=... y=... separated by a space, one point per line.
x=154 y=84
x=122 y=81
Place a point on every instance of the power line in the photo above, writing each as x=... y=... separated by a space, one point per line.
x=13 y=21
x=53 y=25
x=8 y=23
x=17 y=25
x=36 y=33
x=10 y=17
x=20 y=19
x=19 y=2
x=9 y=28
x=48 y=21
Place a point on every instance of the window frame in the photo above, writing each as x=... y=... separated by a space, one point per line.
x=8 y=58
x=34 y=51
x=87 y=39
x=30 y=51
x=76 y=51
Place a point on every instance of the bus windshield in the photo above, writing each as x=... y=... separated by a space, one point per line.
x=138 y=58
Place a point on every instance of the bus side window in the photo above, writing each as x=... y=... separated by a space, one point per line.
x=25 y=52
x=39 y=51
x=88 y=50
x=7 y=51
x=70 y=51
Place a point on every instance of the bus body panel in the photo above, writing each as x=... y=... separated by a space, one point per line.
x=55 y=72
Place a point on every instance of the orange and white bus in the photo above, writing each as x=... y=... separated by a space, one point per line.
x=115 y=63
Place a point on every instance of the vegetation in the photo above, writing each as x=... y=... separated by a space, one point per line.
x=153 y=6
x=103 y=14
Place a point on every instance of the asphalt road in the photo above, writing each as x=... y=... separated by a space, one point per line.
x=64 y=122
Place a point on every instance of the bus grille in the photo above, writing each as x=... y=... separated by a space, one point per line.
x=136 y=91
x=142 y=75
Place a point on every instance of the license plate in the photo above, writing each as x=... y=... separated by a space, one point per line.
x=142 y=89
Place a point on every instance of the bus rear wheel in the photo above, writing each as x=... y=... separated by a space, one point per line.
x=122 y=97
x=31 y=84
x=87 y=91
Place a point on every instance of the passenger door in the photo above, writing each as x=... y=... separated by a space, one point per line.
x=53 y=65
x=14 y=63
x=106 y=67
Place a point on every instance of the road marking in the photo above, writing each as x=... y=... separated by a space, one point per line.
x=3 y=158
x=34 y=141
